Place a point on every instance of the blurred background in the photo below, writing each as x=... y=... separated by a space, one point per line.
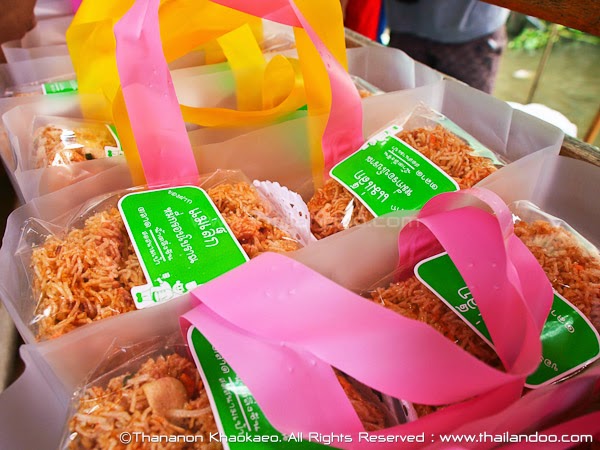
x=568 y=80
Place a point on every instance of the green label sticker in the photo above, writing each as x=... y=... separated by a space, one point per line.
x=180 y=239
x=242 y=424
x=58 y=87
x=111 y=151
x=386 y=174
x=569 y=340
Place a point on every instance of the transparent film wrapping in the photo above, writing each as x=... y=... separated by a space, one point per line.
x=84 y=271
x=334 y=208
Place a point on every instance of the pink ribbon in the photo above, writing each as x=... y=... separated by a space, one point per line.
x=490 y=268
x=152 y=106
x=280 y=325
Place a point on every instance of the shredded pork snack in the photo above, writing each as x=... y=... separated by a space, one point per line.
x=333 y=208
x=84 y=276
x=56 y=145
x=164 y=397
x=251 y=219
x=87 y=273
x=573 y=271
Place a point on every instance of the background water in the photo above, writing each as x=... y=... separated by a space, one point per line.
x=569 y=84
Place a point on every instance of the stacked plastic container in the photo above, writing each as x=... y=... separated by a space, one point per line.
x=101 y=321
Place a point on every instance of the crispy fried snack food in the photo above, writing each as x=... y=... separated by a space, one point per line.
x=333 y=208
x=55 y=145
x=573 y=271
x=166 y=396
x=87 y=274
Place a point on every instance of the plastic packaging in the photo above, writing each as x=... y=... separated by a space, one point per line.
x=31 y=179
x=61 y=141
x=449 y=149
x=20 y=75
x=355 y=259
x=84 y=271
x=156 y=389
x=571 y=263
x=365 y=89
x=43 y=87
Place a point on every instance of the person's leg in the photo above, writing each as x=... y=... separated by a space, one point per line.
x=415 y=47
x=475 y=62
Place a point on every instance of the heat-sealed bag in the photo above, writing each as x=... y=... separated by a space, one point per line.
x=158 y=391
x=155 y=390
x=85 y=267
x=400 y=167
x=52 y=146
x=24 y=78
x=355 y=258
x=58 y=141
x=434 y=293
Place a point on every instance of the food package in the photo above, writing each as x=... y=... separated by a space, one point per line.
x=24 y=75
x=44 y=87
x=84 y=269
x=571 y=263
x=56 y=368
x=159 y=392
x=15 y=52
x=33 y=173
x=445 y=148
x=59 y=142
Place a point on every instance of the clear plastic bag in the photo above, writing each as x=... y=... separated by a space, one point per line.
x=153 y=389
x=59 y=141
x=365 y=89
x=43 y=87
x=85 y=271
x=570 y=261
x=450 y=149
